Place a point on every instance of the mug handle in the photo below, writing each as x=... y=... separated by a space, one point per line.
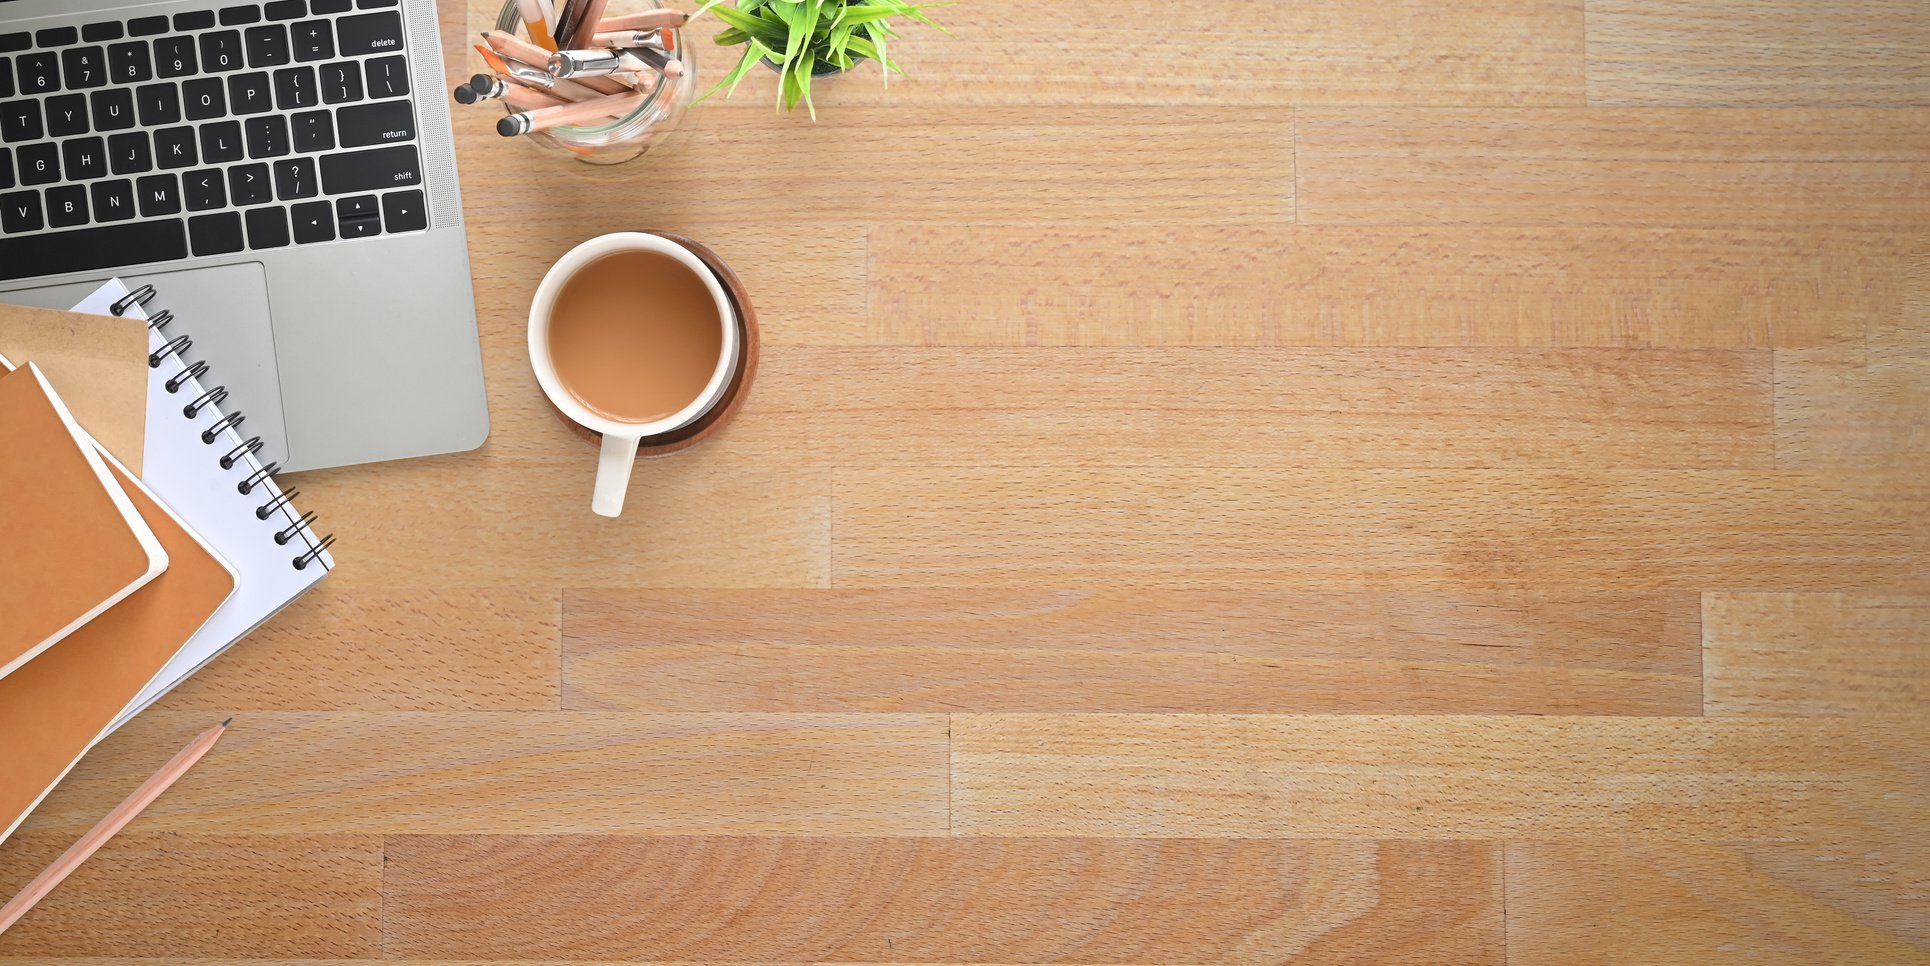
x=613 y=468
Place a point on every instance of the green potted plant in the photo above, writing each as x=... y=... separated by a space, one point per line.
x=802 y=39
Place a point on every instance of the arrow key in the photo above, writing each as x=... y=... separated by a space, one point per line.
x=402 y=211
x=314 y=222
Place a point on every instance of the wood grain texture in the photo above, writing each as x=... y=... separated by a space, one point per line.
x=1815 y=654
x=941 y=650
x=1780 y=53
x=502 y=773
x=944 y=900
x=1284 y=408
x=1808 y=168
x=454 y=649
x=147 y=894
x=1443 y=777
x=1024 y=52
x=1695 y=903
x=1427 y=285
x=1484 y=530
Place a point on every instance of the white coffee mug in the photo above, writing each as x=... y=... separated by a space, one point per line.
x=620 y=438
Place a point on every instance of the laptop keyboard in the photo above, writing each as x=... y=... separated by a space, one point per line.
x=248 y=128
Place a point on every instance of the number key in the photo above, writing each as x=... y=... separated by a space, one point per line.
x=341 y=82
x=221 y=50
x=39 y=72
x=84 y=67
x=174 y=56
x=128 y=63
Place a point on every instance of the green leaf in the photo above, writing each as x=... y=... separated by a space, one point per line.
x=732 y=37
x=772 y=34
x=752 y=54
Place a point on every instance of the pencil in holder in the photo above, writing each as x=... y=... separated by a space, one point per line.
x=618 y=139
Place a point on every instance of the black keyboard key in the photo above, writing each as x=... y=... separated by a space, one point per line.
x=372 y=170
x=113 y=109
x=295 y=178
x=314 y=222
x=362 y=125
x=174 y=57
x=158 y=104
x=268 y=46
x=129 y=63
x=388 y=76
x=6 y=77
x=66 y=206
x=248 y=185
x=205 y=189
x=95 y=33
x=84 y=158
x=159 y=194
x=358 y=206
x=286 y=9
x=17 y=41
x=57 y=36
x=240 y=16
x=129 y=154
x=369 y=33
x=341 y=82
x=113 y=200
x=147 y=26
x=314 y=131
x=267 y=227
x=174 y=147
x=6 y=167
x=295 y=88
x=403 y=211
x=84 y=67
x=267 y=136
x=20 y=121
x=328 y=6
x=221 y=50
x=40 y=163
x=370 y=4
x=221 y=142
x=361 y=226
x=194 y=20
x=216 y=234
x=88 y=249
x=19 y=212
x=204 y=97
x=250 y=93
x=314 y=40
x=66 y=115
x=39 y=72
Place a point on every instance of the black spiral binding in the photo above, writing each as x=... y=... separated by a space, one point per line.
x=173 y=347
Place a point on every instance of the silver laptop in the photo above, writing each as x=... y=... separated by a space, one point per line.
x=282 y=172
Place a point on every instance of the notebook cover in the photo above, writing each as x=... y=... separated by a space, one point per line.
x=54 y=708
x=71 y=542
x=98 y=364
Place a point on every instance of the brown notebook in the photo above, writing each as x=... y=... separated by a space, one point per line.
x=71 y=542
x=54 y=708
x=98 y=364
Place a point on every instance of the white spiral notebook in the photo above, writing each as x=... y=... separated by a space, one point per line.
x=203 y=466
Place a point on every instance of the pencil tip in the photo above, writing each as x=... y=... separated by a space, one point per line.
x=228 y=722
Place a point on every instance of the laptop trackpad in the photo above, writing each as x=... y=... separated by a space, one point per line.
x=225 y=311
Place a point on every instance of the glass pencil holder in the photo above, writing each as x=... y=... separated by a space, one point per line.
x=619 y=139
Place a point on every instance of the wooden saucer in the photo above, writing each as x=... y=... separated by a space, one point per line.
x=663 y=444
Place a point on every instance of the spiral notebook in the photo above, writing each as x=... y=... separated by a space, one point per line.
x=203 y=466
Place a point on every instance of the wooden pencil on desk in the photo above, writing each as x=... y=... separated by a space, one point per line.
x=524 y=52
x=524 y=123
x=103 y=830
x=647 y=20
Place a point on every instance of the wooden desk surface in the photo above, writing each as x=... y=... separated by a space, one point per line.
x=1392 y=482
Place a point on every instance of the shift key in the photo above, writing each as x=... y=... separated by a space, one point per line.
x=375 y=170
x=384 y=122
